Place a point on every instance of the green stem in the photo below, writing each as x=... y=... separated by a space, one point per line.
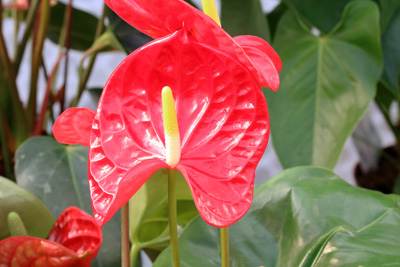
x=30 y=18
x=37 y=60
x=15 y=15
x=135 y=252
x=125 y=244
x=224 y=233
x=86 y=73
x=172 y=215
x=64 y=41
x=10 y=76
x=4 y=147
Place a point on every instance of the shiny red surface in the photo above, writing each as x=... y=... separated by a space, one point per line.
x=73 y=241
x=223 y=124
x=74 y=126
x=222 y=113
x=159 y=18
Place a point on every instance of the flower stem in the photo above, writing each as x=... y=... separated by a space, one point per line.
x=173 y=226
x=224 y=247
x=125 y=244
x=37 y=60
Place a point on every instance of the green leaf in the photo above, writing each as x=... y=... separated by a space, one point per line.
x=390 y=22
x=304 y=216
x=244 y=17
x=83 y=27
x=57 y=174
x=36 y=217
x=149 y=213
x=130 y=38
x=323 y=15
x=327 y=83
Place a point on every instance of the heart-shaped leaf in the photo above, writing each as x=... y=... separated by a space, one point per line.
x=327 y=84
x=149 y=213
x=304 y=216
x=36 y=217
x=57 y=174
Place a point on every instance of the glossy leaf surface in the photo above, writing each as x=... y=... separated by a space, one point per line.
x=34 y=214
x=81 y=38
x=223 y=124
x=57 y=174
x=244 y=17
x=323 y=15
x=327 y=84
x=74 y=239
x=158 y=21
x=149 y=213
x=304 y=216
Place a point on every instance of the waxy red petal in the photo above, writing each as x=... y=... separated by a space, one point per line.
x=159 y=18
x=73 y=241
x=263 y=46
x=24 y=251
x=73 y=126
x=78 y=231
x=223 y=123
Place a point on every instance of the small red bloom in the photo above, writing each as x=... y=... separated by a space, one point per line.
x=222 y=113
x=74 y=240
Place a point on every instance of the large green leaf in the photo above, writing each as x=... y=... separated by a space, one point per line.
x=36 y=217
x=149 y=213
x=244 y=17
x=304 y=216
x=327 y=83
x=390 y=22
x=57 y=174
x=83 y=27
x=323 y=15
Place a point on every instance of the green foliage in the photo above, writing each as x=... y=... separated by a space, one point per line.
x=36 y=217
x=327 y=83
x=83 y=27
x=323 y=15
x=57 y=175
x=244 y=17
x=129 y=37
x=390 y=23
x=304 y=216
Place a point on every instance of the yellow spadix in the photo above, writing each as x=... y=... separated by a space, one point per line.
x=171 y=129
x=210 y=9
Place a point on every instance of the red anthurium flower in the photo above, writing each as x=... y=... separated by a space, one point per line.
x=159 y=18
x=223 y=124
x=73 y=241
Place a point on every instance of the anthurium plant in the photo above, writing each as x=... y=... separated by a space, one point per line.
x=165 y=165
